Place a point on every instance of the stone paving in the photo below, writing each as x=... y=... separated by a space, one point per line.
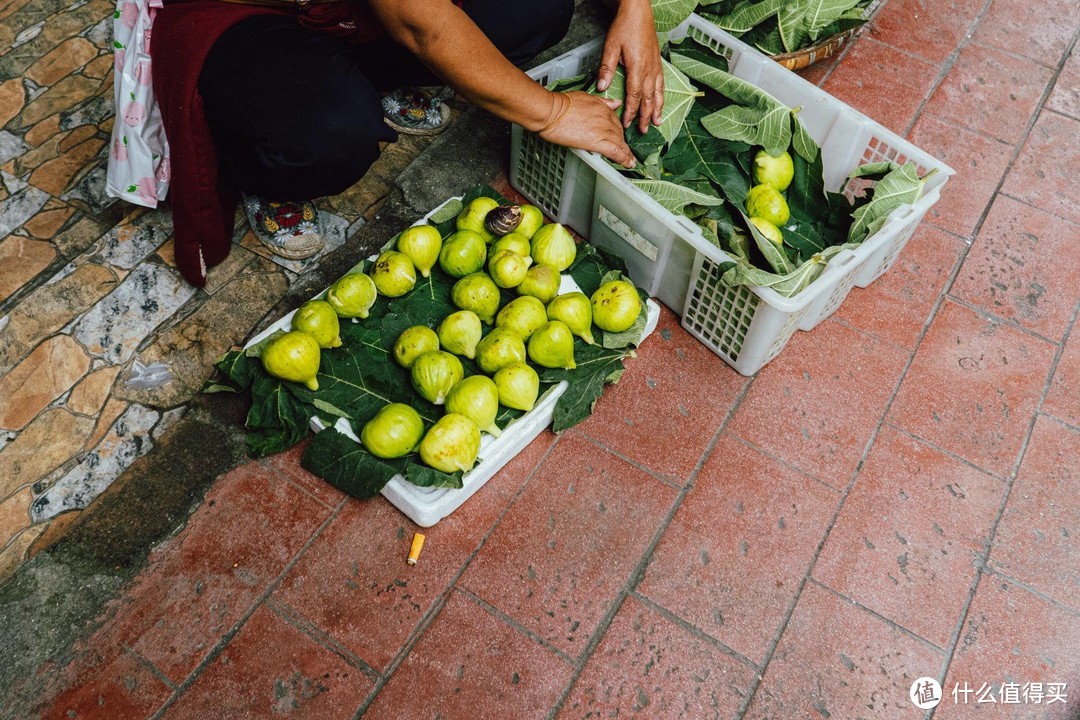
x=89 y=294
x=895 y=496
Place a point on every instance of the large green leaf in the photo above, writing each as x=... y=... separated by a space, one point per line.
x=347 y=465
x=238 y=370
x=757 y=118
x=697 y=151
x=596 y=366
x=749 y=14
x=277 y=420
x=675 y=197
x=669 y=14
x=901 y=186
x=679 y=95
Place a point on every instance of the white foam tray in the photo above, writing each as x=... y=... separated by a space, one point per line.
x=427 y=506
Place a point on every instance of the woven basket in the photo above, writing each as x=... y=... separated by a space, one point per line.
x=826 y=48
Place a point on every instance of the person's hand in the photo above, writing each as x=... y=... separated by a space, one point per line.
x=631 y=42
x=586 y=121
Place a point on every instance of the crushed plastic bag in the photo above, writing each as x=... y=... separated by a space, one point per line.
x=149 y=377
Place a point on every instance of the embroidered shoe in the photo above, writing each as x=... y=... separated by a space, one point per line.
x=413 y=112
x=288 y=229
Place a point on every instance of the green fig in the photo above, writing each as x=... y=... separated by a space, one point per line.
x=766 y=228
x=479 y=293
x=352 y=295
x=768 y=203
x=414 y=342
x=552 y=346
x=776 y=171
x=554 y=245
x=542 y=282
x=451 y=444
x=463 y=253
x=473 y=215
x=394 y=432
x=507 y=268
x=575 y=310
x=394 y=274
x=522 y=315
x=459 y=332
x=434 y=375
x=514 y=241
x=293 y=356
x=319 y=320
x=518 y=386
x=422 y=244
x=532 y=219
x=615 y=306
x=477 y=398
x=499 y=348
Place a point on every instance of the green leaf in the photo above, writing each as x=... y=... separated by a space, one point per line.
x=425 y=476
x=697 y=151
x=256 y=350
x=277 y=419
x=679 y=95
x=749 y=14
x=669 y=14
x=570 y=84
x=238 y=369
x=775 y=256
x=330 y=409
x=801 y=21
x=757 y=119
x=644 y=144
x=787 y=285
x=347 y=465
x=674 y=197
x=901 y=186
x=769 y=43
x=596 y=365
x=801 y=141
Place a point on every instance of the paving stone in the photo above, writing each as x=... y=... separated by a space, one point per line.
x=66 y=93
x=1037 y=539
x=838 y=660
x=11 y=146
x=63 y=60
x=1042 y=173
x=931 y=32
x=732 y=559
x=884 y=83
x=1012 y=636
x=271 y=668
x=88 y=193
x=115 y=327
x=120 y=687
x=972 y=388
x=22 y=205
x=128 y=439
x=1022 y=267
x=1063 y=398
x=1040 y=30
x=990 y=92
x=49 y=308
x=22 y=260
x=90 y=394
x=44 y=445
x=12 y=99
x=133 y=239
x=14 y=514
x=47 y=222
x=50 y=149
x=911 y=534
x=1065 y=97
x=470 y=659
x=79 y=235
x=46 y=374
x=12 y=555
x=192 y=346
x=238 y=261
x=113 y=409
x=99 y=67
x=42 y=131
x=97 y=110
x=646 y=663
x=55 y=175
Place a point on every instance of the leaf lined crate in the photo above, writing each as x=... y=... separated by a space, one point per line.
x=424 y=500
x=668 y=255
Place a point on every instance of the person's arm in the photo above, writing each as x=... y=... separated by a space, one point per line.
x=631 y=42
x=445 y=39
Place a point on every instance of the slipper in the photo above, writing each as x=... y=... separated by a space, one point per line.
x=410 y=111
x=288 y=229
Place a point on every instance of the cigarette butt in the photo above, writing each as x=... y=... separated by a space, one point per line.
x=417 y=545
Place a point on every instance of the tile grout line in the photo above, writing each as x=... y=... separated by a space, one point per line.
x=984 y=563
x=149 y=667
x=672 y=481
x=281 y=476
x=225 y=639
x=638 y=572
x=991 y=316
x=947 y=453
x=1056 y=420
x=891 y=623
x=439 y=602
x=1034 y=591
x=535 y=637
x=694 y=630
x=784 y=463
x=295 y=619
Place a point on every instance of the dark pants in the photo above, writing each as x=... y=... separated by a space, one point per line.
x=296 y=113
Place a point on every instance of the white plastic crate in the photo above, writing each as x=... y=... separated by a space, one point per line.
x=427 y=506
x=668 y=256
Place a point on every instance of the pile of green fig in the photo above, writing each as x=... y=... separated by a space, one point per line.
x=493 y=251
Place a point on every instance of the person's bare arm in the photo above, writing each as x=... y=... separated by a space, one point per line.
x=445 y=39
